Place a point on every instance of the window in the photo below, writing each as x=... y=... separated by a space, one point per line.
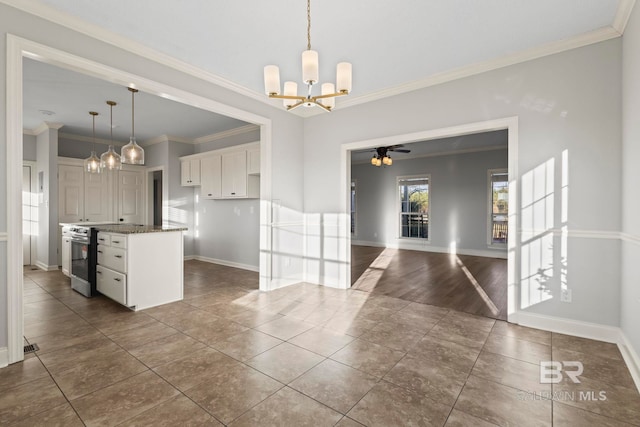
x=499 y=206
x=353 y=207
x=414 y=206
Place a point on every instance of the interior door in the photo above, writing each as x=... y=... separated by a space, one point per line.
x=130 y=197
x=27 y=231
x=70 y=193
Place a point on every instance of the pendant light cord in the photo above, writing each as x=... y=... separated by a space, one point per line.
x=133 y=93
x=308 y=24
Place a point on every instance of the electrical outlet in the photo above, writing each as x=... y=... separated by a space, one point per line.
x=565 y=295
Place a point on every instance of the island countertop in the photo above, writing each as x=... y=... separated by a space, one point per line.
x=137 y=229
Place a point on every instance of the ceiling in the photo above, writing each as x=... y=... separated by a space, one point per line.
x=458 y=144
x=70 y=96
x=394 y=46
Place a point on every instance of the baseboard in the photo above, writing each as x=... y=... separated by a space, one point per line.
x=226 y=263
x=283 y=283
x=419 y=246
x=189 y=257
x=631 y=358
x=577 y=328
x=4 y=357
x=45 y=267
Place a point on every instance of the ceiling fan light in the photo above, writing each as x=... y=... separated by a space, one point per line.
x=378 y=162
x=290 y=89
x=374 y=161
x=272 y=80
x=387 y=160
x=310 y=66
x=328 y=89
x=343 y=77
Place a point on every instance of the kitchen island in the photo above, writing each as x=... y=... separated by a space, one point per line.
x=140 y=266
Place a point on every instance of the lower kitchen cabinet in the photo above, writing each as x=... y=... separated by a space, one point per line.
x=138 y=268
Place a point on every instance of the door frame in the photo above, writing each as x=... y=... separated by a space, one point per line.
x=19 y=48
x=513 y=250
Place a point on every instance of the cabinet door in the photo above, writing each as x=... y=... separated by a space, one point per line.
x=96 y=197
x=70 y=193
x=190 y=172
x=211 y=177
x=66 y=256
x=234 y=174
x=130 y=197
x=253 y=167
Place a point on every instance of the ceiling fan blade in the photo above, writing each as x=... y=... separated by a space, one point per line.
x=400 y=151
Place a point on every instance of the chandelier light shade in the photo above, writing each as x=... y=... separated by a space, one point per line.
x=110 y=160
x=92 y=164
x=132 y=153
x=310 y=77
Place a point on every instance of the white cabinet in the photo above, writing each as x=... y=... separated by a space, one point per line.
x=82 y=196
x=234 y=175
x=66 y=253
x=130 y=191
x=111 y=271
x=253 y=161
x=190 y=172
x=211 y=182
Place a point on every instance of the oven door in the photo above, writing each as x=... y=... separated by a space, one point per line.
x=80 y=262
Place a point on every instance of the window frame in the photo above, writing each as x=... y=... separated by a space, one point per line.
x=399 y=213
x=489 y=210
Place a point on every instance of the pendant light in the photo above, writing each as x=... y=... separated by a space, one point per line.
x=92 y=164
x=110 y=160
x=132 y=153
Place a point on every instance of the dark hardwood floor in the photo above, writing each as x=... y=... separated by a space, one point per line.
x=472 y=284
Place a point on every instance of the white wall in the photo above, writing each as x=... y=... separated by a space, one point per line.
x=29 y=148
x=180 y=199
x=458 y=195
x=630 y=310
x=566 y=103
x=47 y=164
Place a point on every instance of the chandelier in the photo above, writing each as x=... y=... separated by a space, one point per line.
x=132 y=153
x=328 y=91
x=92 y=164
x=111 y=160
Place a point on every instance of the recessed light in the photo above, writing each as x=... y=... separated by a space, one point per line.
x=47 y=112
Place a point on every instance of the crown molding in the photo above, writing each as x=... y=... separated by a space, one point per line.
x=44 y=126
x=91 y=30
x=226 y=134
x=622 y=15
x=586 y=39
x=89 y=139
x=443 y=153
x=51 y=14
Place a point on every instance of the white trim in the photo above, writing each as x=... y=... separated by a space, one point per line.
x=149 y=195
x=42 y=266
x=165 y=138
x=631 y=358
x=189 y=257
x=630 y=238
x=622 y=15
x=226 y=263
x=248 y=146
x=34 y=187
x=420 y=246
x=576 y=328
x=226 y=134
x=4 y=357
x=583 y=234
x=72 y=137
x=513 y=251
x=17 y=49
x=94 y=31
x=4 y=236
x=45 y=126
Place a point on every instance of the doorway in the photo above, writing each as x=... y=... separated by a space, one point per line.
x=156 y=196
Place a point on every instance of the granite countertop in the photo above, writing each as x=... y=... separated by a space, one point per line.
x=137 y=229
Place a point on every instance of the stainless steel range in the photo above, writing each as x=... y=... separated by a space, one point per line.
x=84 y=257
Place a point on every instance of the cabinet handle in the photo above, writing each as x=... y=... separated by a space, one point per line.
x=233 y=194
x=209 y=194
x=99 y=252
x=102 y=240
x=118 y=256
x=116 y=279
x=98 y=272
x=116 y=241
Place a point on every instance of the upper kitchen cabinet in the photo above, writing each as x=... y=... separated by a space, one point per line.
x=190 y=172
x=229 y=173
x=82 y=196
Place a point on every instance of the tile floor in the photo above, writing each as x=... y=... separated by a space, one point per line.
x=303 y=355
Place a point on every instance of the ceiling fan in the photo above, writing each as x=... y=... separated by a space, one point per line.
x=381 y=157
